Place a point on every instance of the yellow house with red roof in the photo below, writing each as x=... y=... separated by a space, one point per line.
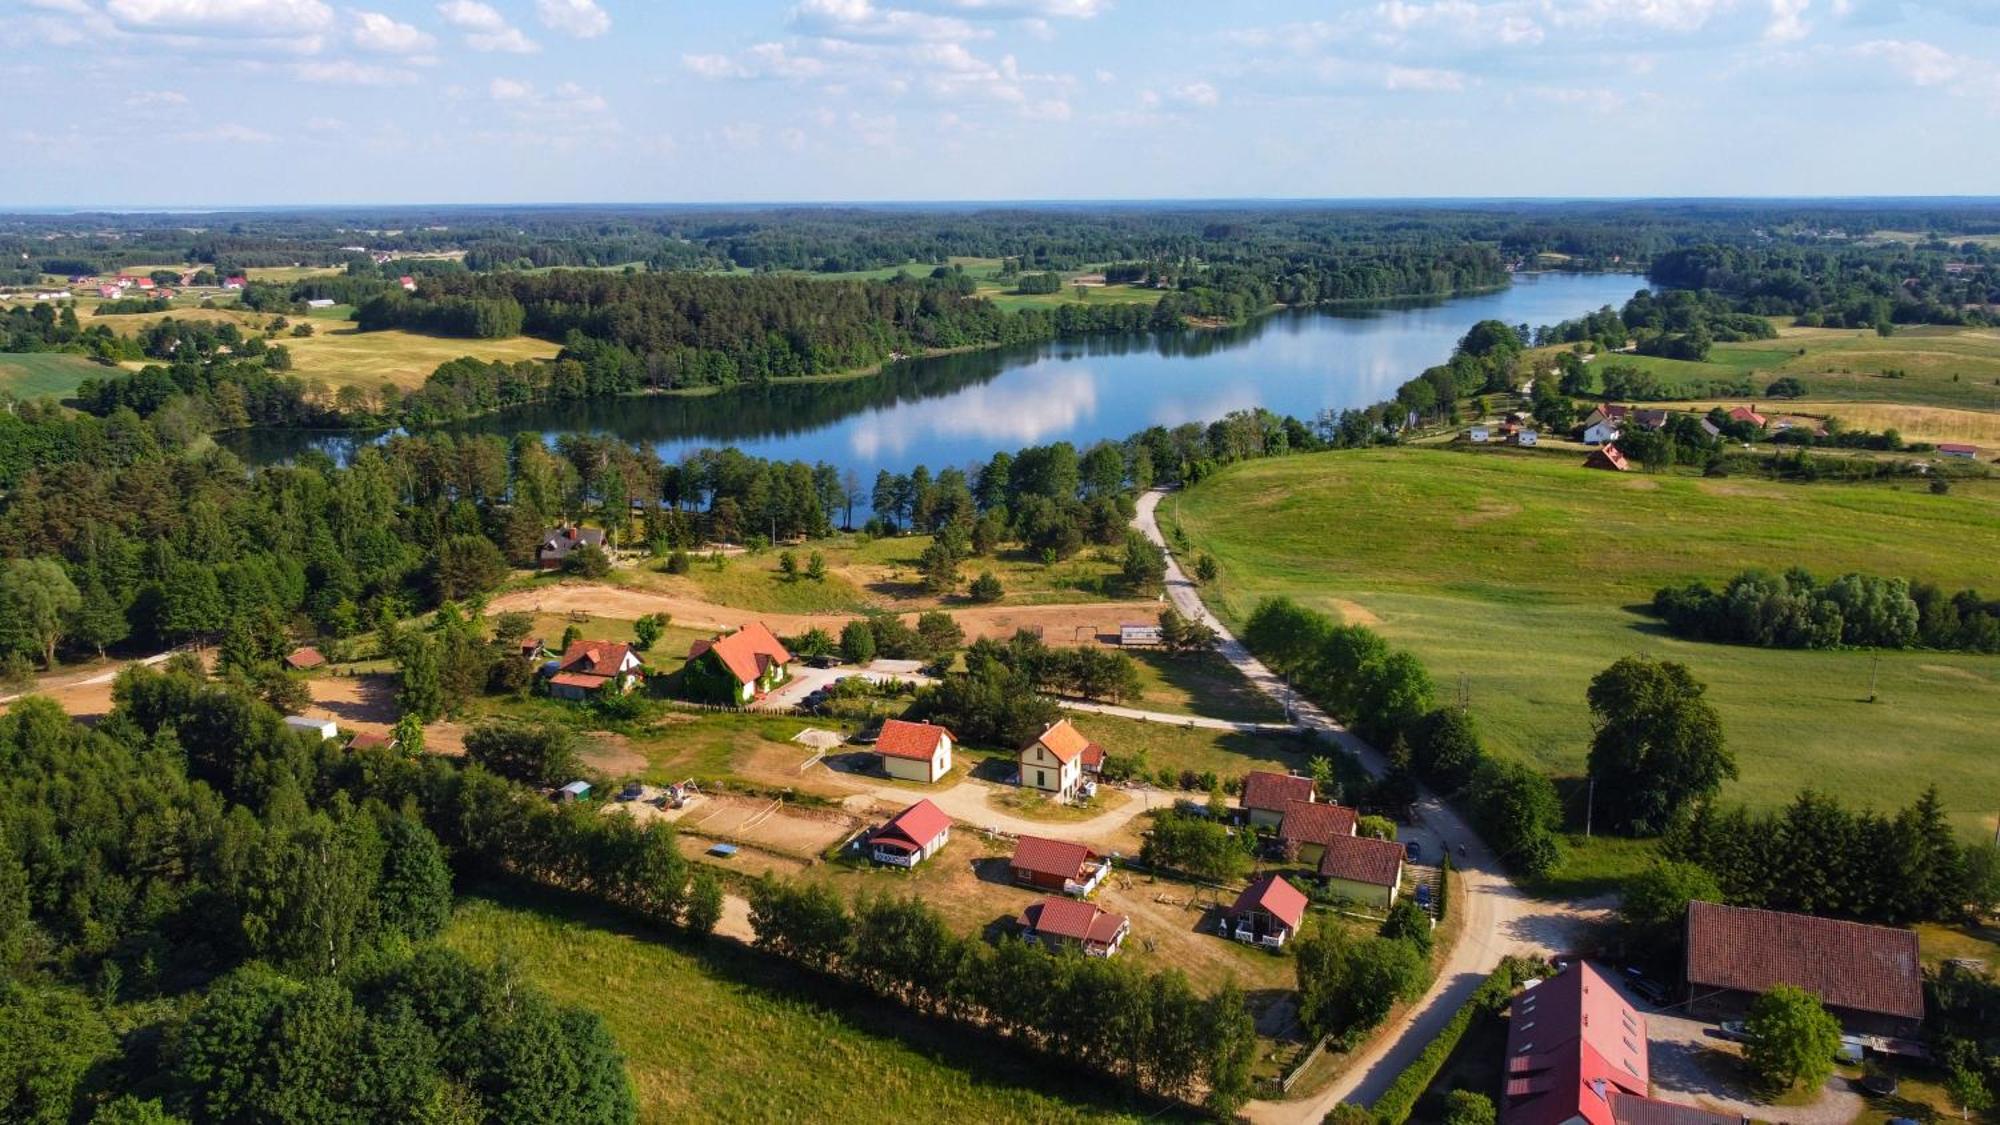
x=1053 y=762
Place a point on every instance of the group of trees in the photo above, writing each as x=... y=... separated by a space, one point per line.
x=1152 y=1031
x=1796 y=610
x=1839 y=286
x=1197 y=845
x=42 y=327
x=1348 y=984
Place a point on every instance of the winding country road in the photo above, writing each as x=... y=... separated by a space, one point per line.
x=1499 y=918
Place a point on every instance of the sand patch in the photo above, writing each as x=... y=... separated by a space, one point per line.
x=1353 y=613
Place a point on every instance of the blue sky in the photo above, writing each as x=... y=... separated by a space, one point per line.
x=216 y=102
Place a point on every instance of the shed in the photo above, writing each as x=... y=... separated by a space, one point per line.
x=302 y=659
x=324 y=728
x=1138 y=633
x=574 y=791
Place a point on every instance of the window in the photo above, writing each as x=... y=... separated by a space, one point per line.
x=1041 y=780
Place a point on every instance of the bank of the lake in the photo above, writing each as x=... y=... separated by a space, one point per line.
x=957 y=408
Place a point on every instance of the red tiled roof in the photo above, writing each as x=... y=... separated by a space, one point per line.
x=1631 y=1109
x=1361 y=859
x=1050 y=857
x=1745 y=414
x=1573 y=1047
x=1847 y=964
x=367 y=741
x=585 y=680
x=915 y=741
x=914 y=827
x=1276 y=897
x=1073 y=919
x=1315 y=822
x=307 y=657
x=1063 y=740
x=1956 y=447
x=747 y=652
x=594 y=658
x=1093 y=757
x=1268 y=792
x=1606 y=457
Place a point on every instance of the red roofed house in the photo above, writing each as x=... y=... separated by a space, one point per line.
x=1267 y=913
x=234 y=282
x=1574 y=1049
x=738 y=668
x=1868 y=976
x=408 y=283
x=1745 y=414
x=1958 y=449
x=1060 y=921
x=1265 y=795
x=1363 y=869
x=1057 y=865
x=1054 y=761
x=1309 y=826
x=302 y=659
x=914 y=751
x=109 y=292
x=588 y=667
x=911 y=836
x=144 y=282
x=1607 y=457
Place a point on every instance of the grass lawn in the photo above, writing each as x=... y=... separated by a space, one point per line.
x=339 y=353
x=1521 y=573
x=27 y=375
x=1196 y=749
x=723 y=1034
x=1209 y=686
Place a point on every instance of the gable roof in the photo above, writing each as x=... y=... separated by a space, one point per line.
x=306 y=657
x=915 y=826
x=1315 y=822
x=1956 y=447
x=915 y=741
x=1746 y=414
x=1276 y=897
x=1574 y=1046
x=748 y=652
x=1267 y=792
x=595 y=658
x=1073 y=919
x=1847 y=964
x=560 y=541
x=1063 y=740
x=1043 y=856
x=1362 y=859
x=1606 y=457
x=369 y=741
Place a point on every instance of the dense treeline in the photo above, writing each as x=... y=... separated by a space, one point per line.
x=41 y=327
x=1150 y=1030
x=1676 y=324
x=1841 y=286
x=1388 y=697
x=1796 y=610
x=1816 y=856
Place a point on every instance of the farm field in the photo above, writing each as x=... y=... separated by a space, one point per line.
x=339 y=353
x=27 y=375
x=727 y=1035
x=985 y=271
x=1524 y=574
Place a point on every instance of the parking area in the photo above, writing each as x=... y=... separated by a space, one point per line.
x=806 y=680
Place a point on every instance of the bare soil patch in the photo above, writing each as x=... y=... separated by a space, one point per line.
x=612 y=754
x=1354 y=613
x=359 y=703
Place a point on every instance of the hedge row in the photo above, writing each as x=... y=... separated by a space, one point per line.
x=1397 y=1102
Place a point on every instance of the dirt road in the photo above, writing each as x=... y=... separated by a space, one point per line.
x=1500 y=918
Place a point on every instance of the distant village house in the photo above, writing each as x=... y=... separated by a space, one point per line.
x=587 y=668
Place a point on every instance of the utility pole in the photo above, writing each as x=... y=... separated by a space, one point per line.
x=1874 y=669
x=1589 y=808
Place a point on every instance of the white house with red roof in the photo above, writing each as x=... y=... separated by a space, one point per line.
x=1268 y=912
x=1057 y=922
x=1054 y=762
x=740 y=667
x=914 y=751
x=408 y=283
x=911 y=836
x=234 y=282
x=588 y=667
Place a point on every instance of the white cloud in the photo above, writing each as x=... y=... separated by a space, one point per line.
x=227 y=133
x=743 y=135
x=1431 y=80
x=1048 y=109
x=156 y=97
x=580 y=18
x=347 y=72
x=1787 y=21
x=862 y=20
x=765 y=60
x=374 y=31
x=508 y=90
x=485 y=28
x=259 y=19
x=1927 y=65
x=1027 y=9
x=1197 y=94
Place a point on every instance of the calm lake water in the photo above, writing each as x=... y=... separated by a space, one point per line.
x=960 y=409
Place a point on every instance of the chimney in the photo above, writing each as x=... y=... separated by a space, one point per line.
x=570 y=533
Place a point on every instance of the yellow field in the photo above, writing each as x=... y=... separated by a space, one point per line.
x=1915 y=423
x=339 y=353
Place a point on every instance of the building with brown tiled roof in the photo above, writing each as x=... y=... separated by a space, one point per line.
x=1265 y=795
x=1063 y=921
x=304 y=659
x=1607 y=457
x=1307 y=827
x=1057 y=865
x=914 y=751
x=1268 y=912
x=588 y=667
x=1868 y=976
x=559 y=542
x=1364 y=869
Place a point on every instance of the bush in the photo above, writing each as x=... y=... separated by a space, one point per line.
x=677 y=562
x=986 y=588
x=1468 y=1107
x=1790 y=1038
x=1492 y=996
x=588 y=561
x=857 y=642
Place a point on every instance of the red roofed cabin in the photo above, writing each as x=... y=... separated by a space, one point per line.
x=738 y=668
x=1746 y=414
x=1867 y=976
x=1958 y=449
x=1607 y=457
x=408 y=283
x=304 y=659
x=588 y=667
x=1265 y=795
x=911 y=836
x=558 y=542
x=1055 y=762
x=1267 y=913
x=914 y=751
x=1056 y=922
x=1363 y=869
x=1057 y=865
x=1309 y=826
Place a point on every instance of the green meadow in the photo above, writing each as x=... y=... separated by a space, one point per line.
x=27 y=375
x=1517 y=577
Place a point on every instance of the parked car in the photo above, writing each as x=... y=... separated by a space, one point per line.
x=631 y=792
x=1880 y=1083
x=1853 y=1050
x=1644 y=986
x=1424 y=895
x=1412 y=850
x=1734 y=1030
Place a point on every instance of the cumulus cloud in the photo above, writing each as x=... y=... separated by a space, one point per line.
x=1431 y=80
x=1787 y=21
x=1197 y=94
x=580 y=18
x=1927 y=65
x=374 y=31
x=347 y=72
x=261 y=19
x=862 y=19
x=485 y=29
x=1028 y=9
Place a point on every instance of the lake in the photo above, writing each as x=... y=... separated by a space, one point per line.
x=960 y=409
